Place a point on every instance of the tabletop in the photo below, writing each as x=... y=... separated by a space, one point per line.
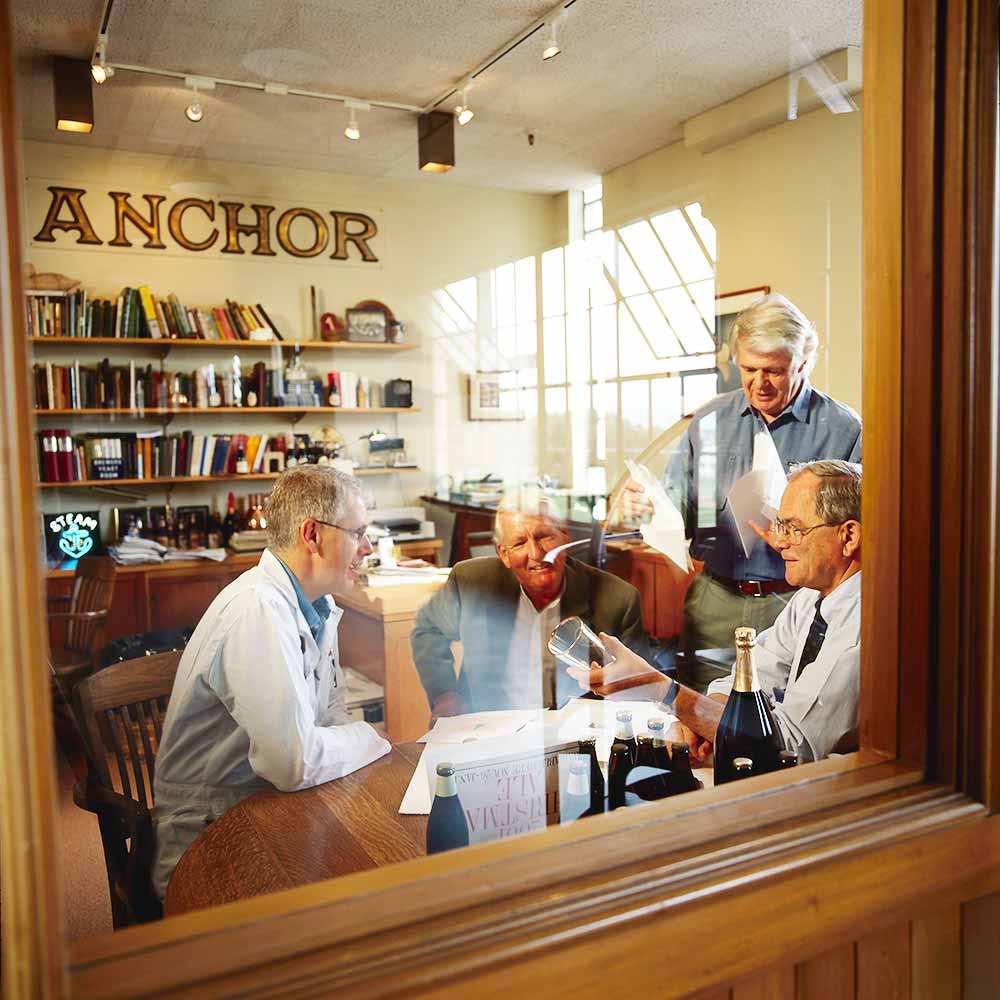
x=278 y=840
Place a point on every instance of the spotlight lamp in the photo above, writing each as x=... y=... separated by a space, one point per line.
x=99 y=68
x=463 y=112
x=353 y=132
x=551 y=49
x=72 y=92
x=194 y=111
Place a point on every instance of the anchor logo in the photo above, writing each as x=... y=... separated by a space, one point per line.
x=76 y=541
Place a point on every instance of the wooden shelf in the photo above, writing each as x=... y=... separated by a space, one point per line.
x=187 y=480
x=272 y=410
x=165 y=344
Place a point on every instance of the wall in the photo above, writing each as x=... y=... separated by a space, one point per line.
x=431 y=233
x=786 y=204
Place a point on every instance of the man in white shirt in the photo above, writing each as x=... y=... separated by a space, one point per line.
x=502 y=610
x=808 y=662
x=258 y=701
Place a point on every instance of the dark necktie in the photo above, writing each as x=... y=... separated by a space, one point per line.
x=814 y=641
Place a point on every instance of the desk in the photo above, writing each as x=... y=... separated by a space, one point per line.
x=374 y=638
x=278 y=840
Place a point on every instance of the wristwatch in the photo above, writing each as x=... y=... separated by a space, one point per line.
x=671 y=696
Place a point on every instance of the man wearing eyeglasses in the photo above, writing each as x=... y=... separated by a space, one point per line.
x=258 y=701
x=808 y=662
x=502 y=609
x=774 y=346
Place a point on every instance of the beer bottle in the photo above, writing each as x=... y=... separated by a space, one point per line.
x=575 y=801
x=746 y=729
x=682 y=778
x=446 y=826
x=231 y=523
x=588 y=746
x=644 y=752
x=621 y=759
x=661 y=756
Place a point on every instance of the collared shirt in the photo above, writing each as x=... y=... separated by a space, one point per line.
x=315 y=612
x=530 y=676
x=717 y=449
x=818 y=710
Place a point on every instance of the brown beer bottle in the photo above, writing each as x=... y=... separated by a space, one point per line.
x=588 y=746
x=682 y=778
x=621 y=759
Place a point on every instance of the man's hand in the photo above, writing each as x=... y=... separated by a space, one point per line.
x=635 y=503
x=448 y=704
x=765 y=536
x=701 y=750
x=629 y=676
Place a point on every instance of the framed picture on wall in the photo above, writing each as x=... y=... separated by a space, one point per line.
x=367 y=326
x=728 y=306
x=494 y=396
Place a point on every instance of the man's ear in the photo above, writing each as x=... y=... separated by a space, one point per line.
x=309 y=533
x=850 y=536
x=503 y=554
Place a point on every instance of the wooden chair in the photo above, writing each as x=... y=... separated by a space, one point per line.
x=82 y=615
x=123 y=708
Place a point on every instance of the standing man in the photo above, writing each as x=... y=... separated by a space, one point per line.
x=502 y=610
x=775 y=347
x=258 y=701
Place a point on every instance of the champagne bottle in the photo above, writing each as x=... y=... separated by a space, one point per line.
x=746 y=728
x=621 y=759
x=446 y=825
x=597 y=788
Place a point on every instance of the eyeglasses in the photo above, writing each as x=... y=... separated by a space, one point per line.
x=795 y=534
x=358 y=533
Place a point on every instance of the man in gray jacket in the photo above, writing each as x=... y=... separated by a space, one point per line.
x=502 y=610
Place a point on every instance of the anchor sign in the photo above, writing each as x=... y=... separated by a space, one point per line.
x=76 y=541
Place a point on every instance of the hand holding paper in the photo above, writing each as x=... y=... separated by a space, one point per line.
x=755 y=497
x=665 y=532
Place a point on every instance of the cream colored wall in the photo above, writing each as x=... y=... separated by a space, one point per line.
x=786 y=204
x=430 y=234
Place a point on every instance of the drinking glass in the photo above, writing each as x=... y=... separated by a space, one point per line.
x=574 y=642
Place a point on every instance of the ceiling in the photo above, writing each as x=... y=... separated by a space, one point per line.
x=630 y=73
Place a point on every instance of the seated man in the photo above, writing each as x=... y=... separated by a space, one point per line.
x=258 y=701
x=809 y=660
x=502 y=610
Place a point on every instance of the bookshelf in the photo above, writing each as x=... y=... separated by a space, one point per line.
x=111 y=484
x=152 y=412
x=150 y=345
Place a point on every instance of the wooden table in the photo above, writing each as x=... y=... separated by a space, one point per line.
x=277 y=840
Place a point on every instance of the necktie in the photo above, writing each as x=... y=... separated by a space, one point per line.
x=814 y=641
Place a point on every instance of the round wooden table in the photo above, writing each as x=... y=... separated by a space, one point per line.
x=278 y=840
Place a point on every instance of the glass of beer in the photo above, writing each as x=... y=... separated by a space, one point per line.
x=575 y=643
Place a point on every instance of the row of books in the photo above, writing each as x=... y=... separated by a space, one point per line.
x=138 y=387
x=65 y=458
x=138 y=314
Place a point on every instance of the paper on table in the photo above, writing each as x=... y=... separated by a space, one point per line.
x=481 y=726
x=757 y=495
x=665 y=531
x=577 y=719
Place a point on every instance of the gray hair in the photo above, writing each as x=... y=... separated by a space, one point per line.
x=773 y=323
x=523 y=500
x=307 y=491
x=838 y=497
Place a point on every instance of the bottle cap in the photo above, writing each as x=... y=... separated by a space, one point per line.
x=746 y=637
x=445 y=770
x=787 y=758
x=622 y=715
x=655 y=725
x=680 y=748
x=743 y=763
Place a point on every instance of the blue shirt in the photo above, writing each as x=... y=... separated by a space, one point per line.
x=315 y=612
x=717 y=449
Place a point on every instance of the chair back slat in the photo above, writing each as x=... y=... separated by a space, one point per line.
x=157 y=710
x=149 y=745
x=127 y=713
x=112 y=733
x=93 y=585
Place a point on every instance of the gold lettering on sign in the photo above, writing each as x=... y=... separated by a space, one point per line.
x=176 y=217
x=235 y=229
x=285 y=235
x=360 y=239
x=124 y=212
x=80 y=223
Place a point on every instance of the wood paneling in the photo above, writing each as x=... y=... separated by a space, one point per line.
x=830 y=976
x=981 y=948
x=883 y=964
x=936 y=954
x=775 y=984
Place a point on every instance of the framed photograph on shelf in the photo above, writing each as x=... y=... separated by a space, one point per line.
x=367 y=326
x=728 y=306
x=494 y=396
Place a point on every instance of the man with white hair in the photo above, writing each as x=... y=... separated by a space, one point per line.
x=775 y=348
x=502 y=610
x=258 y=701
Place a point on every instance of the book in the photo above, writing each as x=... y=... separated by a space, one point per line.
x=149 y=309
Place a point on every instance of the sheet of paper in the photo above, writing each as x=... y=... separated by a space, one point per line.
x=665 y=530
x=482 y=726
x=756 y=496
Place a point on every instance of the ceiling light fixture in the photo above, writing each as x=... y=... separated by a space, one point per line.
x=72 y=90
x=463 y=112
x=353 y=132
x=551 y=49
x=436 y=142
x=99 y=68
x=194 y=111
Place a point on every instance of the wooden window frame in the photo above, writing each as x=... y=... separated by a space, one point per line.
x=768 y=868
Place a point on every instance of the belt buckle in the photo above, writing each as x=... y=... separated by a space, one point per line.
x=755 y=588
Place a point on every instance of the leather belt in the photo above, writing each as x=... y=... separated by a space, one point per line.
x=752 y=588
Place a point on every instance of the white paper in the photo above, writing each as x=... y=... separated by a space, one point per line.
x=475 y=726
x=756 y=496
x=665 y=530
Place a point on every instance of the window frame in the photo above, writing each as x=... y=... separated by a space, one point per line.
x=555 y=909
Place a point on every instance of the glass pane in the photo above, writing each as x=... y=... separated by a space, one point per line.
x=704 y=228
x=649 y=256
x=553 y=301
x=685 y=320
x=593 y=216
x=604 y=334
x=593 y=193
x=578 y=347
x=630 y=282
x=504 y=310
x=555 y=350
x=652 y=323
x=526 y=290
x=698 y=390
x=679 y=241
